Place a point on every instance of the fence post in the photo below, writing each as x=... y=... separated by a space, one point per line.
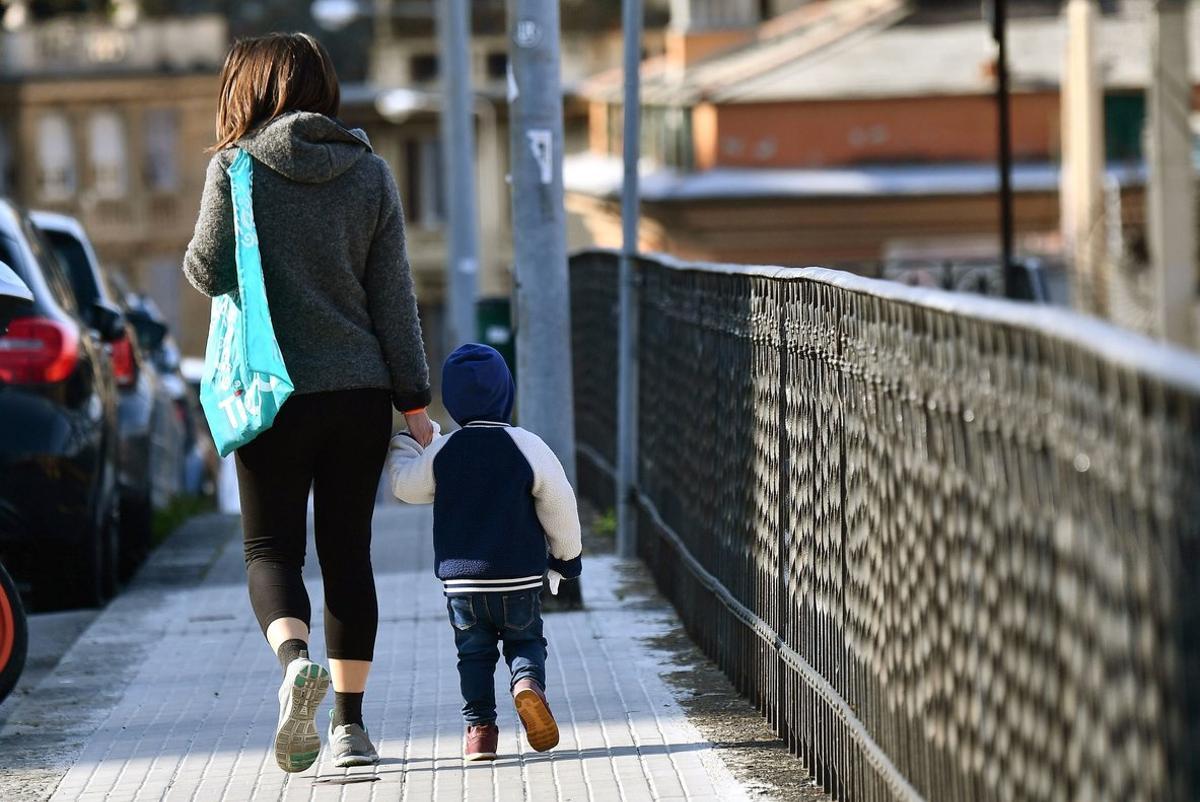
x=627 y=333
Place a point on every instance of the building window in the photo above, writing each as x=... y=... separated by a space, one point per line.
x=425 y=202
x=679 y=139
x=162 y=136
x=57 y=179
x=423 y=68
x=497 y=66
x=108 y=154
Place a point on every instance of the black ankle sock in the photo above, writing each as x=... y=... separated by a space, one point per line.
x=347 y=708
x=289 y=650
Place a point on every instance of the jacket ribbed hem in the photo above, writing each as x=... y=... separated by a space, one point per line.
x=458 y=587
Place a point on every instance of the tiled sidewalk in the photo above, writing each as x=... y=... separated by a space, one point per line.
x=196 y=721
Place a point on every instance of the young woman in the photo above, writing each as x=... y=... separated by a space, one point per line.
x=331 y=234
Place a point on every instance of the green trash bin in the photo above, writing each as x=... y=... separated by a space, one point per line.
x=493 y=317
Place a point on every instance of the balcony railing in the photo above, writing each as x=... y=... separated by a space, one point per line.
x=74 y=47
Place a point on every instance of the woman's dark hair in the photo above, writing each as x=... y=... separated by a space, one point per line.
x=267 y=76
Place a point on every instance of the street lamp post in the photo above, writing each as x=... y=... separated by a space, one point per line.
x=1004 y=138
x=627 y=339
x=458 y=145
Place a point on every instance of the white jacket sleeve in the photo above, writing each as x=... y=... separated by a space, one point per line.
x=553 y=496
x=410 y=467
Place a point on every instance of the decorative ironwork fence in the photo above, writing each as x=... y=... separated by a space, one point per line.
x=949 y=546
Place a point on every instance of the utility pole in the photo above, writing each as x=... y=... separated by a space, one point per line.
x=1171 y=201
x=544 y=392
x=1082 y=185
x=458 y=148
x=999 y=34
x=627 y=362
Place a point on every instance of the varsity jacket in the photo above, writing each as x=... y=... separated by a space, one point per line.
x=503 y=510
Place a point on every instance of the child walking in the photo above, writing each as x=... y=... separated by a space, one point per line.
x=501 y=501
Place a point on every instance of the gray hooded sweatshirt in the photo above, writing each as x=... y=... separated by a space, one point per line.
x=331 y=234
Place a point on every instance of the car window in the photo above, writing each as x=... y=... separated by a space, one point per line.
x=74 y=258
x=56 y=277
x=10 y=257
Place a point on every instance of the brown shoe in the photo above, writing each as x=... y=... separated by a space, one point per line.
x=540 y=727
x=481 y=742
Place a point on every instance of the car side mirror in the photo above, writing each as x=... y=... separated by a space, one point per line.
x=151 y=332
x=108 y=321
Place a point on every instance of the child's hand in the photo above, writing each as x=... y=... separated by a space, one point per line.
x=554 y=578
x=420 y=428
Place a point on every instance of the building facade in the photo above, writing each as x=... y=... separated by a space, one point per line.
x=110 y=124
x=853 y=133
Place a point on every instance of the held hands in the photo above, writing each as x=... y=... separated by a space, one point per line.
x=419 y=426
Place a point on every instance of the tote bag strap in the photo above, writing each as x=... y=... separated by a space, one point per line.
x=261 y=350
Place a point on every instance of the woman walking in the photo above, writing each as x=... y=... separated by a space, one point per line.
x=331 y=235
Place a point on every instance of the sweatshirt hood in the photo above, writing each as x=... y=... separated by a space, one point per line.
x=306 y=147
x=477 y=385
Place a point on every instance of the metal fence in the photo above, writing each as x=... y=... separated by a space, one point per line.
x=949 y=546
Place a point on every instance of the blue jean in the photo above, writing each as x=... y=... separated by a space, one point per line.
x=481 y=621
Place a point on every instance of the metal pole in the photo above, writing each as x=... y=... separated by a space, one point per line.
x=1082 y=181
x=458 y=149
x=1171 y=192
x=627 y=340
x=544 y=391
x=999 y=31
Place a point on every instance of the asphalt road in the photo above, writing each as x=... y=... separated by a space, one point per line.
x=50 y=635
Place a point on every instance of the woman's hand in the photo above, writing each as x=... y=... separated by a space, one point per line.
x=420 y=427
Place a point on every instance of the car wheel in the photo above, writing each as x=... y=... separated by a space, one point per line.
x=110 y=577
x=14 y=634
x=137 y=531
x=90 y=578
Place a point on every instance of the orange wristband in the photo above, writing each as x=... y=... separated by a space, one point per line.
x=414 y=411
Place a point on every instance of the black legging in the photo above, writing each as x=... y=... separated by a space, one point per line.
x=334 y=443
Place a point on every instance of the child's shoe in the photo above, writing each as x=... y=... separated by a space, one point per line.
x=482 y=740
x=540 y=727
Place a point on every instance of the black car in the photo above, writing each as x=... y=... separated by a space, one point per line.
x=154 y=335
x=59 y=504
x=151 y=433
x=15 y=299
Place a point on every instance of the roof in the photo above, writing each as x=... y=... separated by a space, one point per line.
x=780 y=41
x=869 y=49
x=595 y=175
x=952 y=59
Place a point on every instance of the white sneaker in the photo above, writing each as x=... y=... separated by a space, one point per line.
x=297 y=743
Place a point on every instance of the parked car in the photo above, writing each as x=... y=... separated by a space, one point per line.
x=59 y=501
x=155 y=337
x=15 y=298
x=1035 y=280
x=151 y=433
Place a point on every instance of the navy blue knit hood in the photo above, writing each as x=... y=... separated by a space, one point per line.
x=477 y=385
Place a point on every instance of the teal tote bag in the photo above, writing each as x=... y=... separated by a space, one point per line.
x=245 y=381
